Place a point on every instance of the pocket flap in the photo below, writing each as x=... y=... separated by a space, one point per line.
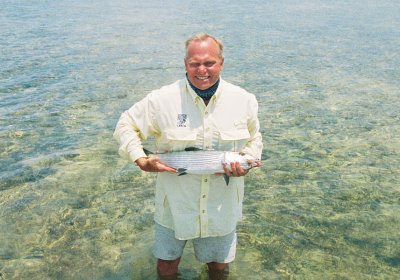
x=232 y=135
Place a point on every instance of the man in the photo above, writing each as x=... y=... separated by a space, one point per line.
x=205 y=112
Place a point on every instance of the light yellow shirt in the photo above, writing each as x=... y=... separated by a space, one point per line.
x=194 y=205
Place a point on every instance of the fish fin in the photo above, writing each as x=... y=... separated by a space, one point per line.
x=147 y=152
x=181 y=171
x=191 y=149
x=226 y=178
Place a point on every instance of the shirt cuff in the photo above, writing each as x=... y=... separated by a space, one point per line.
x=135 y=154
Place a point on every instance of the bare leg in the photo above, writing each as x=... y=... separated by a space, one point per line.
x=218 y=271
x=168 y=269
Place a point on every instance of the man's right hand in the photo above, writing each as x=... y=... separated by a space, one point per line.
x=153 y=164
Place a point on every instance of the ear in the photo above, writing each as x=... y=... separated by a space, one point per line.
x=185 y=63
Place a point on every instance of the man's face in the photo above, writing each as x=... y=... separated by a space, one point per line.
x=203 y=63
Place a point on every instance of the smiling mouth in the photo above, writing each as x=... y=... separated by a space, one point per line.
x=202 y=78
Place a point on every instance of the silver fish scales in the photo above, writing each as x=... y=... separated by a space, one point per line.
x=195 y=162
x=205 y=162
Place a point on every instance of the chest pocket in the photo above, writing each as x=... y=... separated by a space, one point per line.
x=233 y=140
x=178 y=139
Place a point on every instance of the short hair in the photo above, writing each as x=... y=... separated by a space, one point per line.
x=204 y=37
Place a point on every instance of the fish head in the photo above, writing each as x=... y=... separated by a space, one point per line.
x=246 y=161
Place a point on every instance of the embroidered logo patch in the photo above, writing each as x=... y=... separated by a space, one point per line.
x=182 y=120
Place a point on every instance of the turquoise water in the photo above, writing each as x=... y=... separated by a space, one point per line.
x=326 y=203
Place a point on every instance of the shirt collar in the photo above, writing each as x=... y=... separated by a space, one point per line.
x=196 y=96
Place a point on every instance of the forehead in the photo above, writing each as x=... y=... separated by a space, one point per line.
x=200 y=50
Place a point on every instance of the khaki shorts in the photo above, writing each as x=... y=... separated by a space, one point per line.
x=221 y=249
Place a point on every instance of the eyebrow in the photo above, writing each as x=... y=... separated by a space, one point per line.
x=207 y=61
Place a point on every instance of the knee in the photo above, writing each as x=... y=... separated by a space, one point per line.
x=168 y=268
x=218 y=271
x=218 y=266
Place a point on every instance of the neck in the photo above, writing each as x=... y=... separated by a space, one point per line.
x=205 y=94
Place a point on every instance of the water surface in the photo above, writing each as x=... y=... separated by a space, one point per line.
x=325 y=204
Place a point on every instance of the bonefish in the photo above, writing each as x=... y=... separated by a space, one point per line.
x=203 y=162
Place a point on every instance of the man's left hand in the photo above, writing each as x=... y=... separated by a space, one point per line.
x=236 y=170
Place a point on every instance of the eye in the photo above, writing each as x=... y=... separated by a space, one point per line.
x=194 y=64
x=209 y=63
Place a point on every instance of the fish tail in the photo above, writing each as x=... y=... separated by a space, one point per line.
x=147 y=152
x=181 y=171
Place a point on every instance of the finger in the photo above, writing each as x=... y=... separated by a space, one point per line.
x=234 y=170
x=155 y=165
x=161 y=166
x=164 y=167
x=240 y=171
x=226 y=169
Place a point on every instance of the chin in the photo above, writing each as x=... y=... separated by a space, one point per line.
x=202 y=86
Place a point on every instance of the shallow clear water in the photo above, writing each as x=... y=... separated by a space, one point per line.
x=326 y=203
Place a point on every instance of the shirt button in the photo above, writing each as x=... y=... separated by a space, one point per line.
x=204 y=196
x=206 y=180
x=204 y=211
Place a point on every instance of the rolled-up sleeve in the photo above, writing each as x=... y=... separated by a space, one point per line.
x=255 y=145
x=133 y=127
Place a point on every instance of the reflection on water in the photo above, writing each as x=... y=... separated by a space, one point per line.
x=324 y=205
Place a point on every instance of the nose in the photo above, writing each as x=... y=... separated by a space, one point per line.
x=202 y=68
